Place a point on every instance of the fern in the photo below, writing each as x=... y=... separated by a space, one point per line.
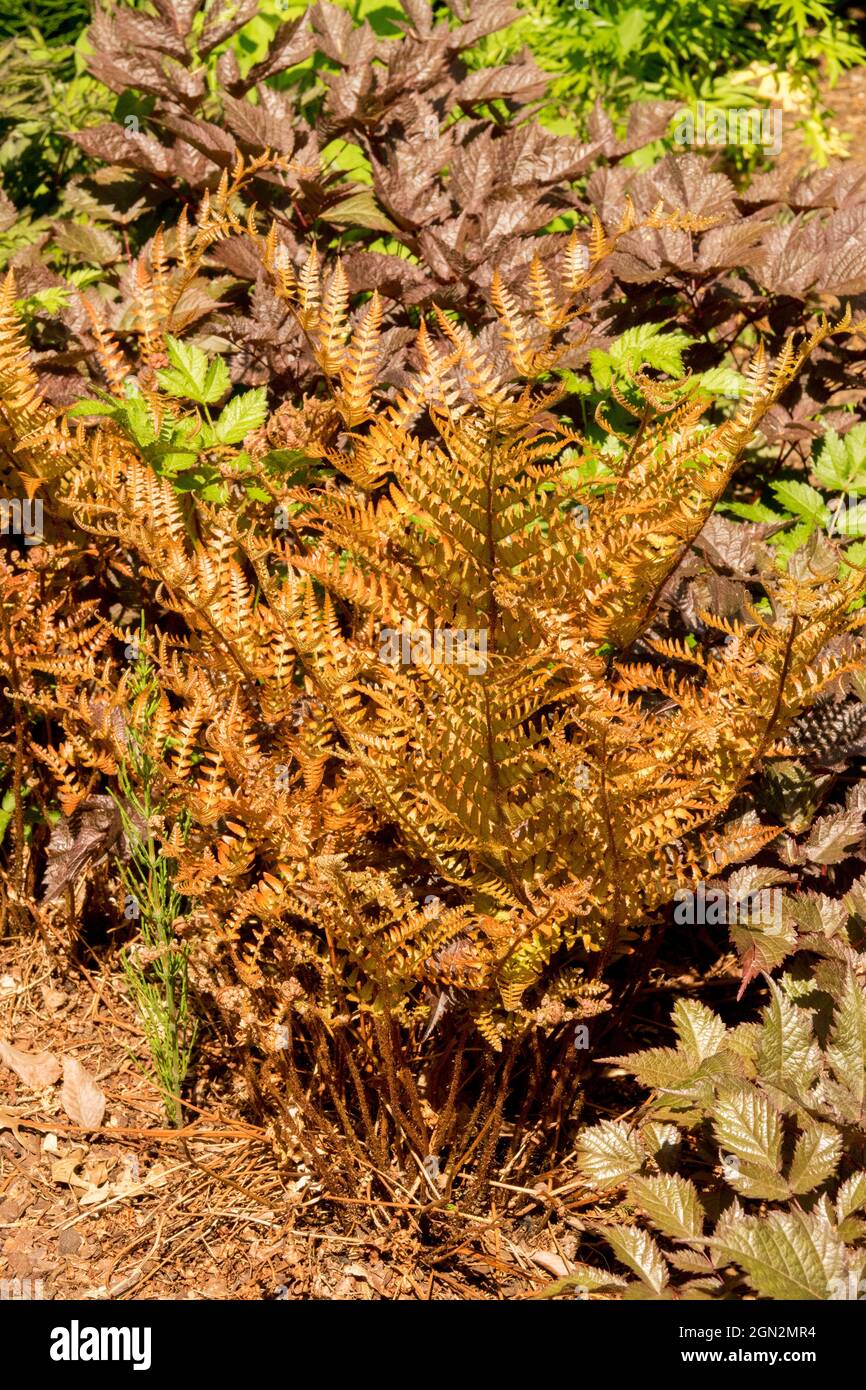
x=411 y=676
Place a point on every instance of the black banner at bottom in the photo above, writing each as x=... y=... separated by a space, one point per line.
x=57 y=1340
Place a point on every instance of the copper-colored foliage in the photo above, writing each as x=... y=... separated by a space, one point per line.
x=486 y=802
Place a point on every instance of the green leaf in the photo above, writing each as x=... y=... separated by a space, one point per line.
x=701 y=1032
x=802 y=500
x=217 y=493
x=762 y=948
x=788 y=1055
x=785 y=1255
x=851 y=1196
x=848 y=520
x=637 y=1249
x=749 y=1128
x=242 y=414
x=721 y=381
x=359 y=210
x=787 y=542
x=86 y=408
x=671 y=1203
x=191 y=376
x=668 y=1069
x=609 y=1152
x=856 y=553
x=630 y=31
x=217 y=382
x=139 y=421
x=841 y=464
x=816 y=1156
x=577 y=385
x=752 y=511
x=645 y=344
x=847 y=1050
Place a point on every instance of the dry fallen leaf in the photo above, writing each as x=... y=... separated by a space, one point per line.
x=36 y=1069
x=82 y=1099
x=553 y=1263
x=63 y=1169
x=9 y=1120
x=95 y=1195
x=53 y=999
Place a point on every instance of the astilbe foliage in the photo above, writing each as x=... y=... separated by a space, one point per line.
x=430 y=174
x=456 y=846
x=745 y=1172
x=461 y=180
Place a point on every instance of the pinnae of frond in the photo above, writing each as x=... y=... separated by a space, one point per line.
x=159 y=271
x=513 y=331
x=627 y=220
x=114 y=365
x=309 y=292
x=360 y=362
x=332 y=323
x=146 y=316
x=598 y=241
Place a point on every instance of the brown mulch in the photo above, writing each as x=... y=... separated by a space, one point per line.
x=121 y=1213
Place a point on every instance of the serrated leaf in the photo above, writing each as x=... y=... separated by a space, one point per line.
x=816 y=1156
x=191 y=376
x=848 y=520
x=637 y=1249
x=609 y=1153
x=753 y=511
x=788 y=1055
x=748 y=1125
x=700 y=1031
x=242 y=414
x=216 y=382
x=841 y=463
x=785 y=1255
x=691 y=1261
x=847 y=1050
x=85 y=408
x=722 y=381
x=833 y=837
x=802 y=500
x=760 y=948
x=644 y=344
x=663 y=1142
x=359 y=210
x=669 y=1071
x=139 y=421
x=851 y=1195
x=671 y=1204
